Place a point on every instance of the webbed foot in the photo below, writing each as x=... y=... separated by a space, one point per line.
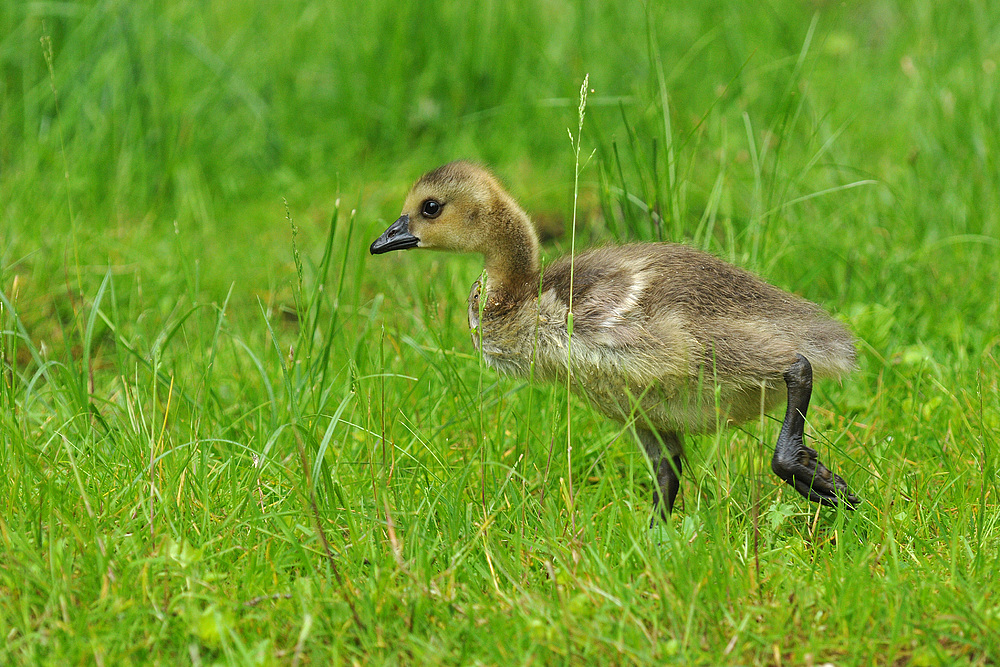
x=807 y=475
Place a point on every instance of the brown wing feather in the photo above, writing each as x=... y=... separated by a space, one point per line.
x=668 y=304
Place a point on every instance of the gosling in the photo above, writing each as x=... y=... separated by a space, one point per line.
x=663 y=337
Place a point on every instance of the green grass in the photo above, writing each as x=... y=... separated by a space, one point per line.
x=227 y=435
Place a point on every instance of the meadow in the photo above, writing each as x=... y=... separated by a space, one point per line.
x=230 y=436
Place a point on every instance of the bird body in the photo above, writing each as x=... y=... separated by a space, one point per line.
x=659 y=335
x=659 y=327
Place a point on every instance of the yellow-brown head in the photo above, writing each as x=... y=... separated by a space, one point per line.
x=462 y=207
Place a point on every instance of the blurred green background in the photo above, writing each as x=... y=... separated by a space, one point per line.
x=205 y=115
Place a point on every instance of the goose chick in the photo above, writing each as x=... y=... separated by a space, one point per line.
x=663 y=336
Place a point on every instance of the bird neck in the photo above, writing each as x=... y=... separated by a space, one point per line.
x=512 y=265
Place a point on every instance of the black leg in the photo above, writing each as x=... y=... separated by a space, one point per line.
x=793 y=461
x=667 y=468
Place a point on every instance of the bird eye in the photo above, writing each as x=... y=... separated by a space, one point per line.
x=432 y=208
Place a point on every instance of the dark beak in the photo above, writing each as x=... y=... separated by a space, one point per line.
x=397 y=237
